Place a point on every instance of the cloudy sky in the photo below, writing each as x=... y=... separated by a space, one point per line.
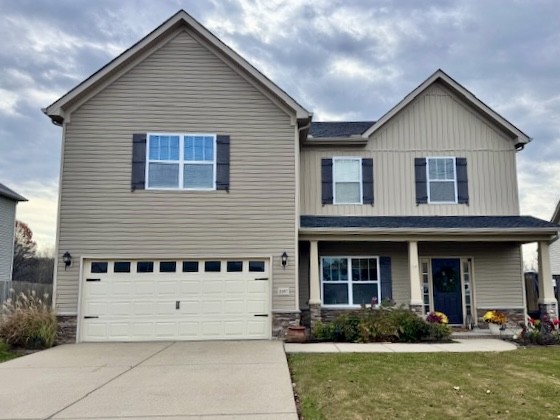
x=342 y=59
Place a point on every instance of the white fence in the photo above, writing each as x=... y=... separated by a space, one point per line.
x=12 y=288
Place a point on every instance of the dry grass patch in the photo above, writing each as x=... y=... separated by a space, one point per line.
x=522 y=384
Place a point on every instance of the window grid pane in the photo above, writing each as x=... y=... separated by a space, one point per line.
x=193 y=168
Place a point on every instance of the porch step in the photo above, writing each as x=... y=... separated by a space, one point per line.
x=481 y=333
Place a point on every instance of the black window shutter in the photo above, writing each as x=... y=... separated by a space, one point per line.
x=367 y=181
x=462 y=181
x=222 y=162
x=326 y=181
x=386 y=278
x=421 y=180
x=138 y=179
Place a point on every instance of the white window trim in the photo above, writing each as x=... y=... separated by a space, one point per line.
x=181 y=162
x=350 y=282
x=439 y=180
x=359 y=159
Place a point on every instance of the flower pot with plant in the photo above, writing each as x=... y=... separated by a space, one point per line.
x=496 y=321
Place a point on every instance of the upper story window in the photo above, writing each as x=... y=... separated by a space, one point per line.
x=442 y=180
x=181 y=161
x=347 y=180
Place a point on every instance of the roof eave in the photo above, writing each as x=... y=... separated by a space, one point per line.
x=519 y=136
x=423 y=231
x=56 y=110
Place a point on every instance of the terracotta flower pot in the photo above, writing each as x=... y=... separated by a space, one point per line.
x=296 y=334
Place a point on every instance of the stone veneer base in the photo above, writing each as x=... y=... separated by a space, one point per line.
x=67 y=327
x=282 y=320
x=515 y=316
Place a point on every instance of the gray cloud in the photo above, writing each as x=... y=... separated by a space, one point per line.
x=343 y=59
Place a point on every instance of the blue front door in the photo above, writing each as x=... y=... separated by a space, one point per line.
x=446 y=277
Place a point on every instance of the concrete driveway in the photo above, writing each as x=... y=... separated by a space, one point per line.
x=183 y=380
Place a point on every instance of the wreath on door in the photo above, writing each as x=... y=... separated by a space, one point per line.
x=445 y=280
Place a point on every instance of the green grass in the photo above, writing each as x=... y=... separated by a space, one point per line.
x=523 y=384
x=5 y=353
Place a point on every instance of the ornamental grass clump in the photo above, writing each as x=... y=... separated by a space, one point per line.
x=28 y=321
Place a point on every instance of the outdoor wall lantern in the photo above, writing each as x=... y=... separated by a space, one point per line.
x=67 y=258
x=284 y=259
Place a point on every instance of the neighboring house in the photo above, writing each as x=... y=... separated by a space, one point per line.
x=8 y=203
x=555 y=253
x=199 y=201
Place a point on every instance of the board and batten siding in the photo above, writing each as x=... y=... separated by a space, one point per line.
x=181 y=87
x=7 y=226
x=437 y=123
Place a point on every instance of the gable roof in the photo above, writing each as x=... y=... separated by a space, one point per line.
x=520 y=137
x=56 y=110
x=338 y=128
x=556 y=215
x=10 y=194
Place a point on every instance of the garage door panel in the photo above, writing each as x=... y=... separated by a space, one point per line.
x=188 y=329
x=257 y=327
x=191 y=307
x=234 y=328
x=212 y=287
x=212 y=307
x=256 y=307
x=143 y=306
x=190 y=287
x=257 y=286
x=121 y=308
x=234 y=307
x=235 y=286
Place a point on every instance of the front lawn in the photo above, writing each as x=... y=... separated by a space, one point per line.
x=5 y=353
x=521 y=384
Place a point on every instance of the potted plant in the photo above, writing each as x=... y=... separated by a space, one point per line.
x=496 y=321
x=436 y=317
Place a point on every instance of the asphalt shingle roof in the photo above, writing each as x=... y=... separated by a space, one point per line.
x=426 y=222
x=11 y=194
x=338 y=128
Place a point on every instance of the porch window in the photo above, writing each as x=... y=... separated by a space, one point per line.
x=350 y=281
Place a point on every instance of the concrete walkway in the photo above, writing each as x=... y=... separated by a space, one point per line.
x=187 y=380
x=457 y=346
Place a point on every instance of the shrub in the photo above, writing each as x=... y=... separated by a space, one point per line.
x=28 y=321
x=542 y=332
x=439 y=332
x=382 y=324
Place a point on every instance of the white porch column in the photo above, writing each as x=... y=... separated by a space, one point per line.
x=416 y=301
x=314 y=281
x=547 y=301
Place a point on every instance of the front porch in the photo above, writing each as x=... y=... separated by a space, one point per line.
x=462 y=274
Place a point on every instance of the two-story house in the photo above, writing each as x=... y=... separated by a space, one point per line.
x=198 y=200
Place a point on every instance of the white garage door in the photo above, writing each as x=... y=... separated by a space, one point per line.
x=127 y=300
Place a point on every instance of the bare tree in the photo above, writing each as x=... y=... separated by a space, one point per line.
x=25 y=250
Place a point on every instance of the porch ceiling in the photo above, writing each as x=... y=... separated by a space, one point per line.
x=521 y=229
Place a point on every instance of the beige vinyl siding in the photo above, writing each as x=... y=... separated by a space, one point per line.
x=554 y=250
x=497 y=275
x=181 y=87
x=396 y=251
x=436 y=123
x=496 y=267
x=7 y=226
